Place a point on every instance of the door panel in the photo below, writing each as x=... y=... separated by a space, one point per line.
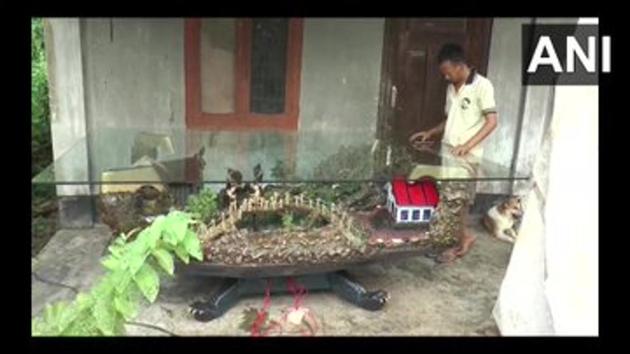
x=411 y=69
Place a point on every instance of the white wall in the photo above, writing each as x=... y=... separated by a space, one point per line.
x=573 y=242
x=134 y=72
x=341 y=72
x=551 y=284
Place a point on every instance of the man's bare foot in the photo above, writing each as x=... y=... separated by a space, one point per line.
x=466 y=244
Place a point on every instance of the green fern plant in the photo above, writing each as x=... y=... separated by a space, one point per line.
x=204 y=205
x=288 y=221
x=133 y=273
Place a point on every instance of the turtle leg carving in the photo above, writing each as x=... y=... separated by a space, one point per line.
x=349 y=290
x=220 y=302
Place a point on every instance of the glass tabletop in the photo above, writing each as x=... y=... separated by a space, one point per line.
x=114 y=155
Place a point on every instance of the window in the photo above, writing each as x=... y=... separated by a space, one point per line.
x=415 y=215
x=243 y=73
x=426 y=214
x=404 y=215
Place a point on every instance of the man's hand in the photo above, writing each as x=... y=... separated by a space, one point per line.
x=423 y=136
x=427 y=146
x=460 y=150
x=489 y=125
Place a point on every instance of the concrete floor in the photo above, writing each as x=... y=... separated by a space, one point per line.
x=426 y=298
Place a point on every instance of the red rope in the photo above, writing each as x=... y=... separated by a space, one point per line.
x=298 y=291
x=262 y=314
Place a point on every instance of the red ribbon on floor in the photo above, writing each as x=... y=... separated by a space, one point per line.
x=262 y=314
x=298 y=291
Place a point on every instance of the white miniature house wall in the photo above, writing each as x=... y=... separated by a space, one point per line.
x=411 y=201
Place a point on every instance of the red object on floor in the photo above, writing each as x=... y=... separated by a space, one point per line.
x=262 y=314
x=299 y=293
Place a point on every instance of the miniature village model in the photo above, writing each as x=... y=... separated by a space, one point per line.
x=252 y=229
x=285 y=229
x=279 y=224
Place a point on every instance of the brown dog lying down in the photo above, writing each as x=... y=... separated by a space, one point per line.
x=500 y=219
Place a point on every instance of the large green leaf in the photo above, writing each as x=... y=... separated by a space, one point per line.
x=75 y=310
x=111 y=263
x=121 y=280
x=53 y=314
x=175 y=227
x=113 y=300
x=85 y=326
x=165 y=260
x=147 y=238
x=193 y=245
x=182 y=253
x=136 y=257
x=105 y=315
x=125 y=306
x=84 y=301
x=38 y=327
x=148 y=281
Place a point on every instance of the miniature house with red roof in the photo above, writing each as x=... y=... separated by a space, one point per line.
x=412 y=201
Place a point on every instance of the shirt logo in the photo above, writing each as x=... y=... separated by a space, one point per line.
x=465 y=103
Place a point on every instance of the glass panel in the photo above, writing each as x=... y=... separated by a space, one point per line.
x=426 y=214
x=218 y=47
x=269 y=61
x=404 y=215
x=416 y=215
x=283 y=156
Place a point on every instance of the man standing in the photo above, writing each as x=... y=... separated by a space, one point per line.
x=471 y=116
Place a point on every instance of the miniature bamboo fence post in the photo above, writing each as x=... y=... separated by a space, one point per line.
x=223 y=221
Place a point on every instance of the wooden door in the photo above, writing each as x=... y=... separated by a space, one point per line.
x=412 y=89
